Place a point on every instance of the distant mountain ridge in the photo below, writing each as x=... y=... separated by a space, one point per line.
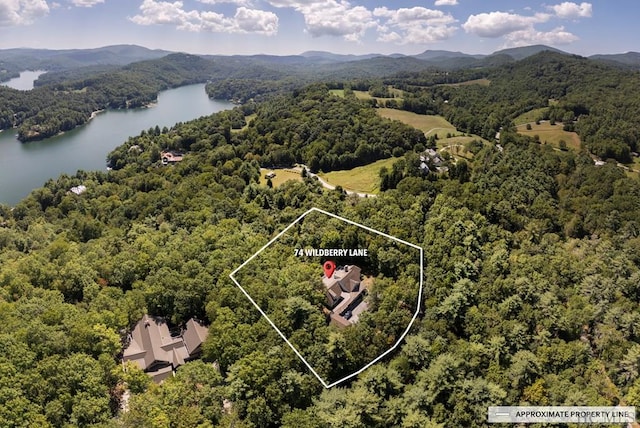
x=78 y=63
x=631 y=59
x=13 y=61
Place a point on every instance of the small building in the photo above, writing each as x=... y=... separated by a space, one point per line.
x=78 y=190
x=170 y=157
x=430 y=157
x=345 y=295
x=157 y=352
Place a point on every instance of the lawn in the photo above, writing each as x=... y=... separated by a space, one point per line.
x=530 y=116
x=337 y=92
x=423 y=122
x=551 y=134
x=435 y=124
x=481 y=82
x=282 y=175
x=247 y=119
x=365 y=179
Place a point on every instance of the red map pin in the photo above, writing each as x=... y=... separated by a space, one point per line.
x=329 y=267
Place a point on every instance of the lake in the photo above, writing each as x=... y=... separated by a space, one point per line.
x=25 y=81
x=26 y=166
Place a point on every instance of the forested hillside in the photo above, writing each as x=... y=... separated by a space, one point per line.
x=531 y=291
x=594 y=99
x=68 y=99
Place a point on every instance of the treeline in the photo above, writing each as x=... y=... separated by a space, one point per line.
x=244 y=90
x=310 y=126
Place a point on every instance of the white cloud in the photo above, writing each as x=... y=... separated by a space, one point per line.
x=519 y=30
x=332 y=17
x=86 y=3
x=415 y=25
x=21 y=12
x=497 y=24
x=256 y=21
x=389 y=37
x=557 y=36
x=165 y=13
x=569 y=10
x=296 y=4
x=238 y=2
x=446 y=2
x=244 y=21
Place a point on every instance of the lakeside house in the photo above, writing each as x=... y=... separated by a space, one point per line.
x=345 y=295
x=153 y=348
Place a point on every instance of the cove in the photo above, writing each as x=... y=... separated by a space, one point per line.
x=26 y=166
x=25 y=81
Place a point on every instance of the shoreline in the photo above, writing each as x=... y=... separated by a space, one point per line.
x=95 y=113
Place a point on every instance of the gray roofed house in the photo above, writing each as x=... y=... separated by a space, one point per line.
x=345 y=295
x=157 y=352
x=194 y=336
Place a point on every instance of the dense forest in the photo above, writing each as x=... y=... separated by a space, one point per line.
x=531 y=268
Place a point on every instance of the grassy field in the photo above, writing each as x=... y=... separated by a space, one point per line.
x=282 y=175
x=364 y=95
x=363 y=179
x=425 y=123
x=529 y=117
x=435 y=125
x=481 y=82
x=247 y=119
x=551 y=134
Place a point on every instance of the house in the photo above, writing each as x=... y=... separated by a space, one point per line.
x=345 y=294
x=170 y=157
x=430 y=157
x=157 y=352
x=78 y=190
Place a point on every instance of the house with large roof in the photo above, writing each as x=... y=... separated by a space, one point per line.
x=157 y=352
x=345 y=295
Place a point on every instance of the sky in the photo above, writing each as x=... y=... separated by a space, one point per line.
x=287 y=27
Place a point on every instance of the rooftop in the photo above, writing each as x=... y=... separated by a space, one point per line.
x=155 y=351
x=345 y=295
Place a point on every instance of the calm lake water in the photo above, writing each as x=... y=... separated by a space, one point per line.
x=25 y=81
x=26 y=166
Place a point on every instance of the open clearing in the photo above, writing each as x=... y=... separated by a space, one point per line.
x=248 y=120
x=364 y=95
x=430 y=124
x=426 y=123
x=282 y=175
x=363 y=179
x=481 y=82
x=530 y=116
x=551 y=134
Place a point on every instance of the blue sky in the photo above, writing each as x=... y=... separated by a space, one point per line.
x=342 y=26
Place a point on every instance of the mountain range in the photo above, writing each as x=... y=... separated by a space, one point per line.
x=78 y=63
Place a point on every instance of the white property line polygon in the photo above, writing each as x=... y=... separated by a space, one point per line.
x=395 y=345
